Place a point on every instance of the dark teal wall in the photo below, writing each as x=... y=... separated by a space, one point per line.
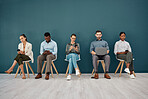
x=64 y=17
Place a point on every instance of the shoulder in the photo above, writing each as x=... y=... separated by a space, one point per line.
x=117 y=42
x=104 y=41
x=77 y=44
x=68 y=44
x=53 y=42
x=20 y=44
x=43 y=42
x=28 y=43
x=127 y=42
x=93 y=42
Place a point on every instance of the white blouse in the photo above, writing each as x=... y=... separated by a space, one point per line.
x=28 y=50
x=121 y=46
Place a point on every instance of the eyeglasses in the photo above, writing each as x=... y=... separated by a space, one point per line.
x=73 y=38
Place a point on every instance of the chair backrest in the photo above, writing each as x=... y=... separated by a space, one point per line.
x=77 y=60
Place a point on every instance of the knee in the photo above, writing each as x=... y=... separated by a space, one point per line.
x=19 y=55
x=39 y=57
x=73 y=55
x=95 y=57
x=69 y=60
x=107 y=57
x=48 y=57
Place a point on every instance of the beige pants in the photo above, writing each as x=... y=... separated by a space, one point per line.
x=47 y=58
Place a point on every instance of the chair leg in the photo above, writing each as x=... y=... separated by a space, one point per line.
x=121 y=68
x=27 y=69
x=55 y=68
x=43 y=67
x=118 y=67
x=20 y=72
x=51 y=72
x=93 y=68
x=30 y=68
x=67 y=70
x=103 y=65
x=92 y=71
x=17 y=71
x=134 y=73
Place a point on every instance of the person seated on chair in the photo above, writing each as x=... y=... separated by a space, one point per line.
x=123 y=51
x=72 y=52
x=48 y=51
x=24 y=54
x=96 y=44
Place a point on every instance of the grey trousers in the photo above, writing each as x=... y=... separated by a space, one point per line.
x=128 y=58
x=42 y=58
x=106 y=59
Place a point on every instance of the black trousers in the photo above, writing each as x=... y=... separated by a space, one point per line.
x=128 y=58
x=21 y=57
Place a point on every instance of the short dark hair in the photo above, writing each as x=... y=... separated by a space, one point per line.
x=24 y=36
x=73 y=35
x=47 y=34
x=99 y=31
x=121 y=33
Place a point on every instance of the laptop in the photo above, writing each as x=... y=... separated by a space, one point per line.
x=101 y=50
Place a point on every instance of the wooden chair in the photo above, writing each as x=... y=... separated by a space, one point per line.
x=68 y=67
x=27 y=64
x=103 y=65
x=121 y=63
x=52 y=65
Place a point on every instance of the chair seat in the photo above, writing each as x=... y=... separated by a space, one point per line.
x=67 y=60
x=100 y=60
x=27 y=61
x=52 y=60
x=120 y=59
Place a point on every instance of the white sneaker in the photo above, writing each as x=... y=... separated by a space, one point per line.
x=127 y=70
x=77 y=72
x=69 y=77
x=132 y=76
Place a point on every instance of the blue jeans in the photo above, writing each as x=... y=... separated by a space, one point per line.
x=72 y=58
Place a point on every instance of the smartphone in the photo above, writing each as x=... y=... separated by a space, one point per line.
x=18 y=49
x=76 y=45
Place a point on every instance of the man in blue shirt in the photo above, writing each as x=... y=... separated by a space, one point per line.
x=100 y=43
x=48 y=51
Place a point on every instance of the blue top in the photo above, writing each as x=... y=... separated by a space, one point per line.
x=51 y=46
x=98 y=43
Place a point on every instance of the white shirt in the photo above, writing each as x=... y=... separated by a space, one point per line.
x=121 y=46
x=28 y=50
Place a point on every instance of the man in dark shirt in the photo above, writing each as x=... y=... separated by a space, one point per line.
x=100 y=43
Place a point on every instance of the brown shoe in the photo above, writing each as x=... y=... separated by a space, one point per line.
x=96 y=76
x=47 y=76
x=24 y=77
x=38 y=76
x=107 y=76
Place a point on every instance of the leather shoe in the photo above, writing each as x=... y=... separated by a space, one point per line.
x=47 y=76
x=38 y=76
x=96 y=76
